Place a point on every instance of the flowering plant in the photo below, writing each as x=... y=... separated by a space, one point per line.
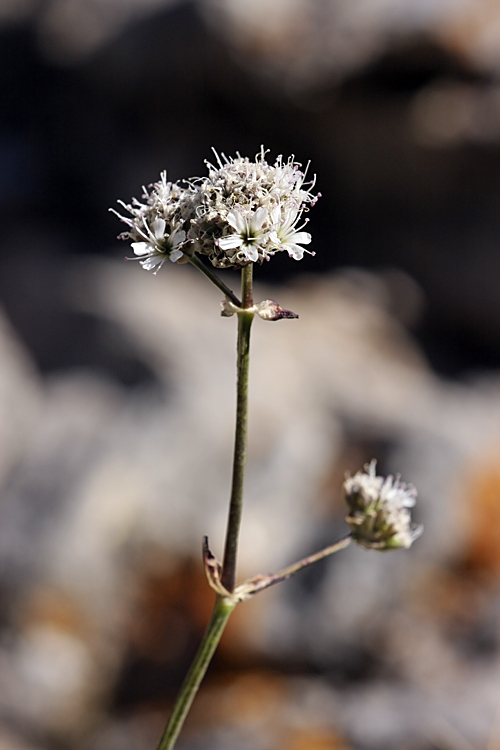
x=243 y=213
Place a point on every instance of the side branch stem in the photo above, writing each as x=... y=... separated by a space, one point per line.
x=211 y=638
x=282 y=575
x=228 y=577
x=197 y=263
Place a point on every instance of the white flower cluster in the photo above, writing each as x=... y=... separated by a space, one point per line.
x=156 y=226
x=379 y=515
x=244 y=211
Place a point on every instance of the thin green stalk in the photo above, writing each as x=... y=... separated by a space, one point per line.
x=282 y=575
x=222 y=610
x=228 y=577
x=196 y=262
x=223 y=605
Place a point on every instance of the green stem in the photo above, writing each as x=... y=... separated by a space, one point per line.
x=196 y=262
x=223 y=605
x=228 y=577
x=215 y=628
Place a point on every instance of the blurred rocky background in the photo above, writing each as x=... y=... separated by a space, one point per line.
x=117 y=387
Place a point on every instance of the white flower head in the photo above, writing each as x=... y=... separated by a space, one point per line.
x=379 y=510
x=156 y=226
x=235 y=221
x=243 y=212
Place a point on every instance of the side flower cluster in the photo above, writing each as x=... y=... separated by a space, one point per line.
x=243 y=211
x=379 y=510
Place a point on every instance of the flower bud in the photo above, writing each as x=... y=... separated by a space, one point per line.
x=267 y=310
x=270 y=310
x=378 y=510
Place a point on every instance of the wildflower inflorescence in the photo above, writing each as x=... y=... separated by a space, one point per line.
x=243 y=211
x=378 y=510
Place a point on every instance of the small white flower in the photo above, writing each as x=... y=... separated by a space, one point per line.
x=379 y=516
x=249 y=235
x=287 y=236
x=158 y=246
x=157 y=226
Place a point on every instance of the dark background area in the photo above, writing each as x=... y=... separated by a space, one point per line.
x=75 y=137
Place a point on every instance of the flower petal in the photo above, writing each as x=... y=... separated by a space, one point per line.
x=295 y=251
x=232 y=240
x=142 y=248
x=236 y=220
x=291 y=218
x=177 y=236
x=175 y=255
x=259 y=217
x=252 y=253
x=159 y=228
x=152 y=262
x=275 y=215
x=304 y=238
